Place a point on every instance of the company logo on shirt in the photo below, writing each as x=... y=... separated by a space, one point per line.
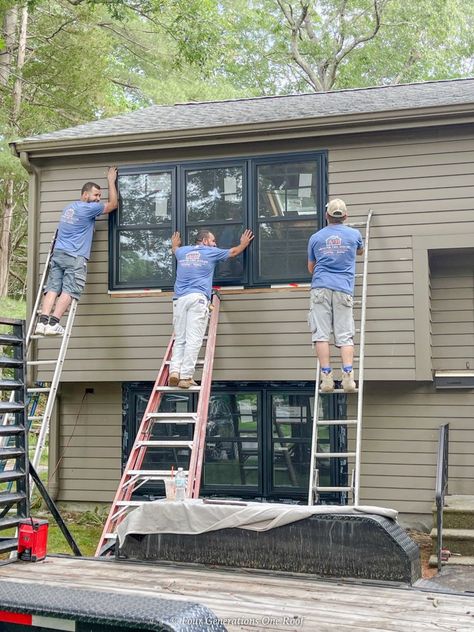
x=193 y=259
x=333 y=241
x=334 y=246
x=193 y=256
x=68 y=216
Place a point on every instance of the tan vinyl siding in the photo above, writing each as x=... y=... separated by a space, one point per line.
x=415 y=185
x=400 y=442
x=90 y=442
x=452 y=310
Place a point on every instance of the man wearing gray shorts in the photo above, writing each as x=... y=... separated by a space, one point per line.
x=68 y=267
x=331 y=260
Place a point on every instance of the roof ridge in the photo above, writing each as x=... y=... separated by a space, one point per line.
x=312 y=94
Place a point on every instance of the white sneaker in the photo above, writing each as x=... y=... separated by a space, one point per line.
x=327 y=382
x=40 y=329
x=348 y=382
x=53 y=330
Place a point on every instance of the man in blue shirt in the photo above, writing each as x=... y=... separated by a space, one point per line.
x=68 y=268
x=331 y=260
x=192 y=295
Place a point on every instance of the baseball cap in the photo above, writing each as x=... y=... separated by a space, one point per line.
x=336 y=208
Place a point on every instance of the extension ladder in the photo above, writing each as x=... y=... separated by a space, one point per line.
x=50 y=392
x=317 y=455
x=134 y=476
x=14 y=431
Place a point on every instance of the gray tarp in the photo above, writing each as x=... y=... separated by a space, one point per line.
x=195 y=516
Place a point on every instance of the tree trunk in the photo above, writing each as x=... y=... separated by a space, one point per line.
x=5 y=233
x=18 y=87
x=7 y=53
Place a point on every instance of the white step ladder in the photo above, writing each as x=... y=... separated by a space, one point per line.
x=317 y=455
x=50 y=391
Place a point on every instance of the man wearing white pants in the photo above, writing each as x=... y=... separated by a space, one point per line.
x=192 y=295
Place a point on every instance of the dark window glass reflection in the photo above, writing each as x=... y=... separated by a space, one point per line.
x=283 y=249
x=145 y=256
x=145 y=199
x=287 y=189
x=214 y=195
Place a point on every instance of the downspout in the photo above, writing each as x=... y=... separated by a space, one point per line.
x=32 y=274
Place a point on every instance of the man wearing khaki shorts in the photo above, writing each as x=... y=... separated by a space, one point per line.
x=331 y=261
x=68 y=268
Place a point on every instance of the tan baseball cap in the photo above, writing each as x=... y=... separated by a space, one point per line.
x=336 y=208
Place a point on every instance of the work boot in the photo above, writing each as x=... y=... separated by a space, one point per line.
x=187 y=383
x=327 y=382
x=348 y=382
x=173 y=379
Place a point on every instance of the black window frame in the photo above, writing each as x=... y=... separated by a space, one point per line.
x=249 y=166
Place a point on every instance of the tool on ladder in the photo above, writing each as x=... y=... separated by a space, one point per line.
x=50 y=392
x=315 y=489
x=134 y=476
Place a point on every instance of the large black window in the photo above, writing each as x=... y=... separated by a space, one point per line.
x=281 y=198
x=258 y=441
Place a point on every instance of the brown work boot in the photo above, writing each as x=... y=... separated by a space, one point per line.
x=327 y=382
x=173 y=379
x=187 y=383
x=348 y=382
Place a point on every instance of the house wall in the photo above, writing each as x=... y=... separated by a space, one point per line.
x=420 y=186
x=417 y=183
x=399 y=444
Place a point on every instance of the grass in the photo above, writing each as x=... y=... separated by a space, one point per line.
x=12 y=308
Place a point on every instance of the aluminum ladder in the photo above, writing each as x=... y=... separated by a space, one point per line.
x=14 y=503
x=315 y=489
x=50 y=391
x=134 y=476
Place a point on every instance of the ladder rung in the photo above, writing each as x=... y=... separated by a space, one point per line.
x=10 y=363
x=38 y=389
x=11 y=429
x=337 y=422
x=11 y=453
x=10 y=385
x=198 y=363
x=174 y=418
x=10 y=340
x=176 y=389
x=333 y=489
x=341 y=390
x=334 y=455
x=154 y=473
x=110 y=536
x=357 y=224
x=35 y=418
x=40 y=362
x=11 y=475
x=10 y=499
x=10 y=544
x=131 y=503
x=172 y=443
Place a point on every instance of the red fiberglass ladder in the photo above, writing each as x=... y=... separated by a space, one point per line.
x=134 y=476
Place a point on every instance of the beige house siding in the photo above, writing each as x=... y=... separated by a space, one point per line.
x=416 y=184
x=400 y=442
x=86 y=455
x=452 y=310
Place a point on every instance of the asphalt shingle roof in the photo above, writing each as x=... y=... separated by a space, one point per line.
x=189 y=116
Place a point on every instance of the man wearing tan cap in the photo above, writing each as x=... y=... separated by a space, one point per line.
x=331 y=260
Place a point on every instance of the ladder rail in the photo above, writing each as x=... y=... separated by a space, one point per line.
x=360 y=395
x=54 y=387
x=197 y=454
x=39 y=294
x=137 y=454
x=317 y=422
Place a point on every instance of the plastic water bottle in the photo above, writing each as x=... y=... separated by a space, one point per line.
x=180 y=484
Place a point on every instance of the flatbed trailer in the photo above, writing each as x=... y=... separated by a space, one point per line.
x=193 y=597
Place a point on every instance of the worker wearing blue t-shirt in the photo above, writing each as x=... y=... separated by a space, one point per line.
x=192 y=294
x=68 y=268
x=331 y=260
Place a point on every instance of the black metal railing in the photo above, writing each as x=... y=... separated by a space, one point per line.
x=441 y=486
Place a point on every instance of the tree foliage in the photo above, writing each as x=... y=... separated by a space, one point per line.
x=79 y=60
